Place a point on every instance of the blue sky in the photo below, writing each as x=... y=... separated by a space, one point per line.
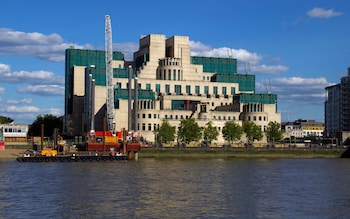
x=295 y=48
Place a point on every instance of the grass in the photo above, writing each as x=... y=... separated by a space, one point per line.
x=238 y=153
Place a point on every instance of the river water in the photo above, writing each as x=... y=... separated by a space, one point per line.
x=177 y=188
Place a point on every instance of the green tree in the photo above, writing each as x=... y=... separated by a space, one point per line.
x=210 y=133
x=5 y=120
x=232 y=131
x=50 y=123
x=273 y=132
x=252 y=131
x=189 y=131
x=165 y=133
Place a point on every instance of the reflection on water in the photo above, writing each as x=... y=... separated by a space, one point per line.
x=242 y=188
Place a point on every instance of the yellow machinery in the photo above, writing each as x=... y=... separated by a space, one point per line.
x=48 y=152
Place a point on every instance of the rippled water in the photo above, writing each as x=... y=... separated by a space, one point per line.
x=216 y=188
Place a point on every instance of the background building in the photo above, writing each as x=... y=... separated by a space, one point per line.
x=303 y=128
x=337 y=110
x=14 y=134
x=172 y=85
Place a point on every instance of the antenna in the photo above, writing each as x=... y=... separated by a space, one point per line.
x=268 y=88
x=248 y=67
x=229 y=53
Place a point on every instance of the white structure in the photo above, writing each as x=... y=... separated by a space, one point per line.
x=15 y=132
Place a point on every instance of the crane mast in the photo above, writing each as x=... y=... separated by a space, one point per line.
x=109 y=75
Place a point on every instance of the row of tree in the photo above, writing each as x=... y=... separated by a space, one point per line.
x=49 y=121
x=189 y=131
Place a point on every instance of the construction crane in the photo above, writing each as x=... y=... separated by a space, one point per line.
x=109 y=75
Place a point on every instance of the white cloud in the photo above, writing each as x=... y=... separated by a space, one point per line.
x=43 y=90
x=48 y=47
x=2 y=90
x=53 y=111
x=247 y=61
x=323 y=13
x=9 y=36
x=199 y=49
x=25 y=100
x=34 y=77
x=127 y=49
x=297 y=90
x=22 y=109
x=269 y=69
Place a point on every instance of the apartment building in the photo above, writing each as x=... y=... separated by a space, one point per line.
x=337 y=109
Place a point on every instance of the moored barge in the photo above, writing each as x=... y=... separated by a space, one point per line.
x=76 y=157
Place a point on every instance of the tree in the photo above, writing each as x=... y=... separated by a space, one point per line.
x=232 y=131
x=253 y=132
x=50 y=123
x=189 y=131
x=273 y=132
x=165 y=133
x=5 y=120
x=210 y=133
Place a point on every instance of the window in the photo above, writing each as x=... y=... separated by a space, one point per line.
x=215 y=90
x=150 y=116
x=178 y=89
x=174 y=75
x=116 y=104
x=149 y=126
x=232 y=90
x=179 y=75
x=206 y=90
x=224 y=90
x=158 y=88
x=197 y=90
x=169 y=74
x=167 y=88
x=188 y=89
x=148 y=86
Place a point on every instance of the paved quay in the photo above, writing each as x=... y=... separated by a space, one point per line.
x=10 y=153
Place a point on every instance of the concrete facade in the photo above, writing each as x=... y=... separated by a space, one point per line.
x=180 y=90
x=337 y=109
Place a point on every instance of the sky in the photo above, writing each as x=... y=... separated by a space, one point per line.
x=295 y=48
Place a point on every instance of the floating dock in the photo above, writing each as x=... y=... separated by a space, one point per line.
x=72 y=158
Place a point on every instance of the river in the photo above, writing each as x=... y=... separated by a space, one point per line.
x=177 y=188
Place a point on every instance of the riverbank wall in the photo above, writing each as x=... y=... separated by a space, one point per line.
x=224 y=153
